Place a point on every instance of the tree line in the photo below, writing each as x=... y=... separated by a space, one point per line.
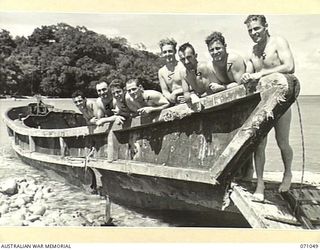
x=57 y=59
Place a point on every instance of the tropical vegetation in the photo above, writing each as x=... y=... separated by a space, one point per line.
x=57 y=59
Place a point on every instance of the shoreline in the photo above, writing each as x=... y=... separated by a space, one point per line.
x=309 y=177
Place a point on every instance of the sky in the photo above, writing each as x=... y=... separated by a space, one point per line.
x=301 y=31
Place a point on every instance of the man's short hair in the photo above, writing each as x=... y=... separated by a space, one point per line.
x=168 y=41
x=116 y=83
x=215 y=36
x=251 y=18
x=136 y=80
x=78 y=93
x=103 y=79
x=184 y=46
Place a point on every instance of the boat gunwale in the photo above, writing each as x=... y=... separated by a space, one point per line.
x=22 y=129
x=231 y=151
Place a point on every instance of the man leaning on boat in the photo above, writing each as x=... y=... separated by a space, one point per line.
x=271 y=54
x=223 y=72
x=86 y=107
x=142 y=102
x=116 y=103
x=169 y=74
x=105 y=105
x=189 y=79
x=100 y=111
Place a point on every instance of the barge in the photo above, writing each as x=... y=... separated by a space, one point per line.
x=183 y=158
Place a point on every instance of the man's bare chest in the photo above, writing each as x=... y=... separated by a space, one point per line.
x=172 y=77
x=267 y=59
x=224 y=76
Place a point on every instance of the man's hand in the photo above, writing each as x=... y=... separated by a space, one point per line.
x=215 y=87
x=119 y=119
x=145 y=110
x=187 y=97
x=176 y=96
x=93 y=120
x=247 y=77
x=115 y=111
x=256 y=76
x=232 y=85
x=115 y=118
x=172 y=97
x=181 y=99
x=99 y=122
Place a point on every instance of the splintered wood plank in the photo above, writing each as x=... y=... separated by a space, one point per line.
x=311 y=196
x=306 y=202
x=271 y=213
x=312 y=212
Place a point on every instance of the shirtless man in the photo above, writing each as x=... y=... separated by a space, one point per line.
x=223 y=72
x=271 y=54
x=169 y=76
x=105 y=105
x=227 y=67
x=195 y=76
x=86 y=107
x=119 y=104
x=142 y=101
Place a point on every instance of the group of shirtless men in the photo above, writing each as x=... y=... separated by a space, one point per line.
x=182 y=80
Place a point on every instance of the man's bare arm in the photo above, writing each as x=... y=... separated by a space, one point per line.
x=185 y=85
x=178 y=91
x=159 y=102
x=249 y=66
x=286 y=59
x=246 y=77
x=238 y=69
x=100 y=113
x=115 y=118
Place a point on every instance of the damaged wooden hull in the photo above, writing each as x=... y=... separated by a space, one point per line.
x=181 y=159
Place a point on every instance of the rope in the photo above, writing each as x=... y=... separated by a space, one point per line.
x=87 y=158
x=303 y=155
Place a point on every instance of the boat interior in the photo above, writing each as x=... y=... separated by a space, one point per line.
x=195 y=141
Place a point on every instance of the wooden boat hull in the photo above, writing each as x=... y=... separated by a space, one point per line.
x=133 y=190
x=182 y=159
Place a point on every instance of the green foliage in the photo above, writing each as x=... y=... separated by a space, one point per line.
x=7 y=45
x=55 y=60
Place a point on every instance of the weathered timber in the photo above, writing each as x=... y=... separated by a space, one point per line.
x=181 y=158
x=20 y=127
x=278 y=92
x=181 y=194
x=196 y=141
x=161 y=193
x=139 y=168
x=273 y=212
x=32 y=146
x=209 y=103
x=305 y=203
x=63 y=146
